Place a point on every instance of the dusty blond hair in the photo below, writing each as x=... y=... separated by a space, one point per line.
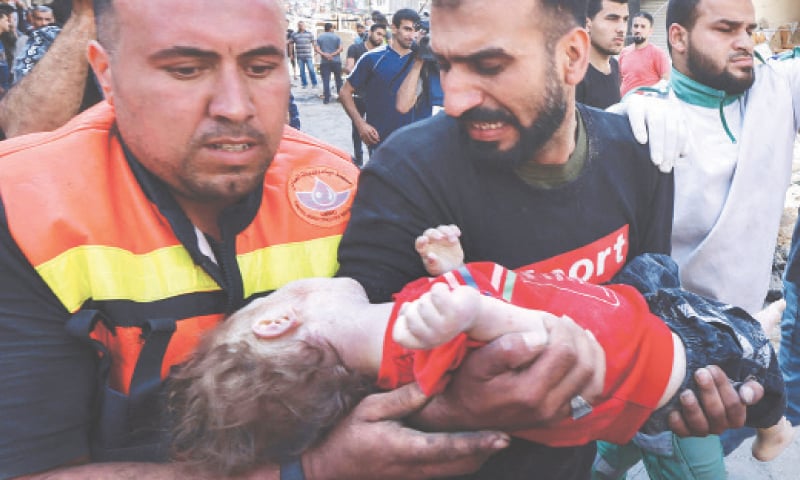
x=238 y=403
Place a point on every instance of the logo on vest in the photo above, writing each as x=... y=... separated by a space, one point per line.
x=320 y=195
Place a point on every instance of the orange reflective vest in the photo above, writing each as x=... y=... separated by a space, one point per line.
x=130 y=268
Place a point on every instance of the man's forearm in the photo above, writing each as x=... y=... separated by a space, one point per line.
x=349 y=105
x=407 y=93
x=348 y=65
x=51 y=93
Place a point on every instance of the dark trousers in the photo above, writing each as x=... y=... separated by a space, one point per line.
x=325 y=69
x=713 y=333
x=358 y=154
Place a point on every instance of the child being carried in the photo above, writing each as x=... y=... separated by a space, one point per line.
x=273 y=378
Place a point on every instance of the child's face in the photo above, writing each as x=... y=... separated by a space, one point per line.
x=301 y=307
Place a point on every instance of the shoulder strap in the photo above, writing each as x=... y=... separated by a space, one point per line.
x=80 y=326
x=146 y=380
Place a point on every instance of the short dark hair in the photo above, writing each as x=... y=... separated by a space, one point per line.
x=102 y=6
x=104 y=19
x=575 y=10
x=328 y=26
x=682 y=12
x=376 y=26
x=594 y=7
x=405 y=14
x=6 y=9
x=644 y=15
x=381 y=18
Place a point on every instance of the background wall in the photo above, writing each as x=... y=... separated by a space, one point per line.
x=774 y=13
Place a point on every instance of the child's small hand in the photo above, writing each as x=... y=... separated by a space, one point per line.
x=440 y=249
x=436 y=317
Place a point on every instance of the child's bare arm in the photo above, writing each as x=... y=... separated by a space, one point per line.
x=440 y=249
x=678 y=371
x=441 y=314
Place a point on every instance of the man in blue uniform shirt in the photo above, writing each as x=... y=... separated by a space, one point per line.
x=377 y=77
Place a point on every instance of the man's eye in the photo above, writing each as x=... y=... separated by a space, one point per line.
x=184 y=72
x=488 y=68
x=260 y=70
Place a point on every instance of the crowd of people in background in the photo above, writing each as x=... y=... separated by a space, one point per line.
x=25 y=36
x=394 y=84
x=569 y=148
x=63 y=85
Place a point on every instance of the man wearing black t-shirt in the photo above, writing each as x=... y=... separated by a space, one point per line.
x=534 y=183
x=606 y=22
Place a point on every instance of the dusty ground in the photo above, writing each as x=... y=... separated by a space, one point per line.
x=331 y=124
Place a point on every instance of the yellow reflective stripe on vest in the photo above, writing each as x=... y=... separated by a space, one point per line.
x=272 y=267
x=110 y=273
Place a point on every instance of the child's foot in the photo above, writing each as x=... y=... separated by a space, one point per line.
x=437 y=316
x=440 y=249
x=770 y=442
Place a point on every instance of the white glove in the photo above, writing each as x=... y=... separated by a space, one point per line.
x=652 y=118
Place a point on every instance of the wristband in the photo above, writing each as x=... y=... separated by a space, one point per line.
x=292 y=469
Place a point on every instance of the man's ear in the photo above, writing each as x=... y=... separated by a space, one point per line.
x=678 y=38
x=573 y=49
x=100 y=63
x=266 y=328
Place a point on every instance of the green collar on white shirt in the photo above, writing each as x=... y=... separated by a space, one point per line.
x=695 y=93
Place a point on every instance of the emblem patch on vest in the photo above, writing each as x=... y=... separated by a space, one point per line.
x=321 y=195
